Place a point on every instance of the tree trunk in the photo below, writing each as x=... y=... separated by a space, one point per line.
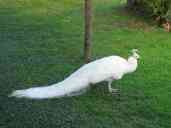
x=88 y=30
x=131 y=3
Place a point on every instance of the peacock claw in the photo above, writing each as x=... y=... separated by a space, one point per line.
x=115 y=91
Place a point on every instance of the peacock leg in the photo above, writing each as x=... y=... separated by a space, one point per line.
x=111 y=90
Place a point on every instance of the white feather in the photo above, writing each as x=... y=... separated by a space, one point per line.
x=112 y=67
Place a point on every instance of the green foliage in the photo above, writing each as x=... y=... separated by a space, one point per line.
x=155 y=7
x=168 y=14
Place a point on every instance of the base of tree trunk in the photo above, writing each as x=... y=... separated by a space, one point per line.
x=131 y=3
x=167 y=26
x=162 y=22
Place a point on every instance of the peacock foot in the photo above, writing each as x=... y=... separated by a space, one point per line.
x=114 y=91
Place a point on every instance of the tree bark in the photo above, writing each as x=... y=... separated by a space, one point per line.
x=88 y=30
x=131 y=3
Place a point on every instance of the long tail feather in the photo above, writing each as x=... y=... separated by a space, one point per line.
x=64 y=88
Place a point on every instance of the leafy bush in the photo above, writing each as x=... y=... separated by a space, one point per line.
x=156 y=7
x=168 y=14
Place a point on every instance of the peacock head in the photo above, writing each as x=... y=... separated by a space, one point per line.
x=135 y=53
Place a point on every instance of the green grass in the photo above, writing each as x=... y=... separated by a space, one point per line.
x=41 y=42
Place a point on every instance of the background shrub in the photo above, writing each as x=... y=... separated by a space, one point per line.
x=155 y=8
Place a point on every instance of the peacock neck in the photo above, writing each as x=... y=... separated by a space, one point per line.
x=132 y=64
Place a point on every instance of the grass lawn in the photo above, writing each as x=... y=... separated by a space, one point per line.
x=41 y=42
